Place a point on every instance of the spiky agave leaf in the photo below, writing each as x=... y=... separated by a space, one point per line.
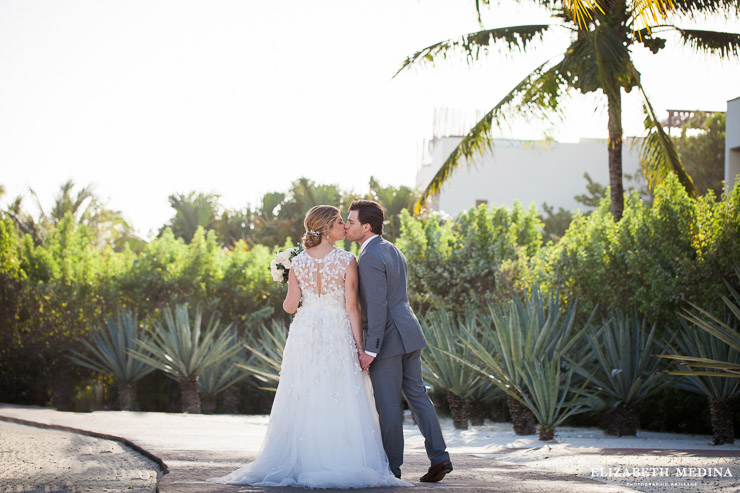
x=621 y=362
x=700 y=344
x=266 y=346
x=530 y=329
x=181 y=349
x=443 y=330
x=722 y=331
x=109 y=351
x=547 y=388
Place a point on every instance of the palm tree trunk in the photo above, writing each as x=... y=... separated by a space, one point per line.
x=189 y=396
x=616 y=188
x=231 y=400
x=722 y=426
x=546 y=433
x=521 y=417
x=458 y=410
x=498 y=411
x=622 y=421
x=478 y=412
x=126 y=397
x=208 y=404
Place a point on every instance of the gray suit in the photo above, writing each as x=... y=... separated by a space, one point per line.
x=393 y=332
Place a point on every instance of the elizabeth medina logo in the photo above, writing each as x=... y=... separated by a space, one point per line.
x=661 y=472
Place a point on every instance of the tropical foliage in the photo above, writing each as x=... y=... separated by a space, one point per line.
x=718 y=389
x=620 y=363
x=109 y=352
x=598 y=59
x=441 y=362
x=184 y=352
x=516 y=337
x=550 y=396
x=265 y=348
x=219 y=378
x=481 y=256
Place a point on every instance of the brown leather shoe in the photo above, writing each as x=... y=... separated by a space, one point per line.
x=436 y=473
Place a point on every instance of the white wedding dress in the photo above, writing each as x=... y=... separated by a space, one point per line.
x=323 y=430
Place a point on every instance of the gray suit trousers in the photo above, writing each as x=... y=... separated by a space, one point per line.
x=393 y=377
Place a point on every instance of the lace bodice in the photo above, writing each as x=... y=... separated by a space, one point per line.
x=322 y=278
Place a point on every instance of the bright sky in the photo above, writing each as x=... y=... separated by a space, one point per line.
x=145 y=98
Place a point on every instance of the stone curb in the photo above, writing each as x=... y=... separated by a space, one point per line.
x=94 y=434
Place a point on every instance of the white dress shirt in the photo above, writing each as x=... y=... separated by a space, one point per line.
x=362 y=248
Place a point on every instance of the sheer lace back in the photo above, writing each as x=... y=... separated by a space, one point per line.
x=324 y=277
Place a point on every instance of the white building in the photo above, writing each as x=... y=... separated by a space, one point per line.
x=526 y=171
x=732 y=143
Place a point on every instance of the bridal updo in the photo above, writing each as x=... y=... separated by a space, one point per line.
x=318 y=220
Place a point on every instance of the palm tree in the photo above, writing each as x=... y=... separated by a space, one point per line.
x=110 y=354
x=720 y=391
x=191 y=211
x=184 y=352
x=597 y=59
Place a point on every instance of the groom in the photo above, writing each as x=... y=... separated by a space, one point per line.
x=393 y=341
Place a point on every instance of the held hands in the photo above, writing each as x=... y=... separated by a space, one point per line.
x=365 y=359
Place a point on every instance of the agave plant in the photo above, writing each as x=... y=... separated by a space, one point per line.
x=181 y=350
x=109 y=353
x=621 y=365
x=547 y=393
x=711 y=363
x=515 y=336
x=266 y=348
x=220 y=378
x=441 y=365
x=720 y=330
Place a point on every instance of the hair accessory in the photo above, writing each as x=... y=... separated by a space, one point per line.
x=313 y=232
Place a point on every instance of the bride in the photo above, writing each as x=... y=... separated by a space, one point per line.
x=323 y=430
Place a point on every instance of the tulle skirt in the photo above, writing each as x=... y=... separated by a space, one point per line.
x=323 y=430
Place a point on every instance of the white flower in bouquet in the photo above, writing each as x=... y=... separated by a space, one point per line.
x=280 y=265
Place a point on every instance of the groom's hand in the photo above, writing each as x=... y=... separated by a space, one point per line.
x=365 y=360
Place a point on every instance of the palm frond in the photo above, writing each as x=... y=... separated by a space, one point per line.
x=700 y=8
x=652 y=12
x=473 y=44
x=539 y=90
x=659 y=152
x=711 y=42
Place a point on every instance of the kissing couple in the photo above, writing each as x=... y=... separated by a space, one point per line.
x=353 y=350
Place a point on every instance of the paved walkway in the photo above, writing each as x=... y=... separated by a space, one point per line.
x=194 y=447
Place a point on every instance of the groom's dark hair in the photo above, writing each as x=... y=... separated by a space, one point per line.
x=369 y=212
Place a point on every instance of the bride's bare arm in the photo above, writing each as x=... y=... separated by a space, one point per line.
x=293 y=298
x=352 y=303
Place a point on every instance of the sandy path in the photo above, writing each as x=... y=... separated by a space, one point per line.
x=41 y=460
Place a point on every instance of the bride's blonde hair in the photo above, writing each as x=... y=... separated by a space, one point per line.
x=317 y=221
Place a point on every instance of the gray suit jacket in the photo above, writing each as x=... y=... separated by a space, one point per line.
x=390 y=324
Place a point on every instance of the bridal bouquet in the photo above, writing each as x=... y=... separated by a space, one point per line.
x=280 y=265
